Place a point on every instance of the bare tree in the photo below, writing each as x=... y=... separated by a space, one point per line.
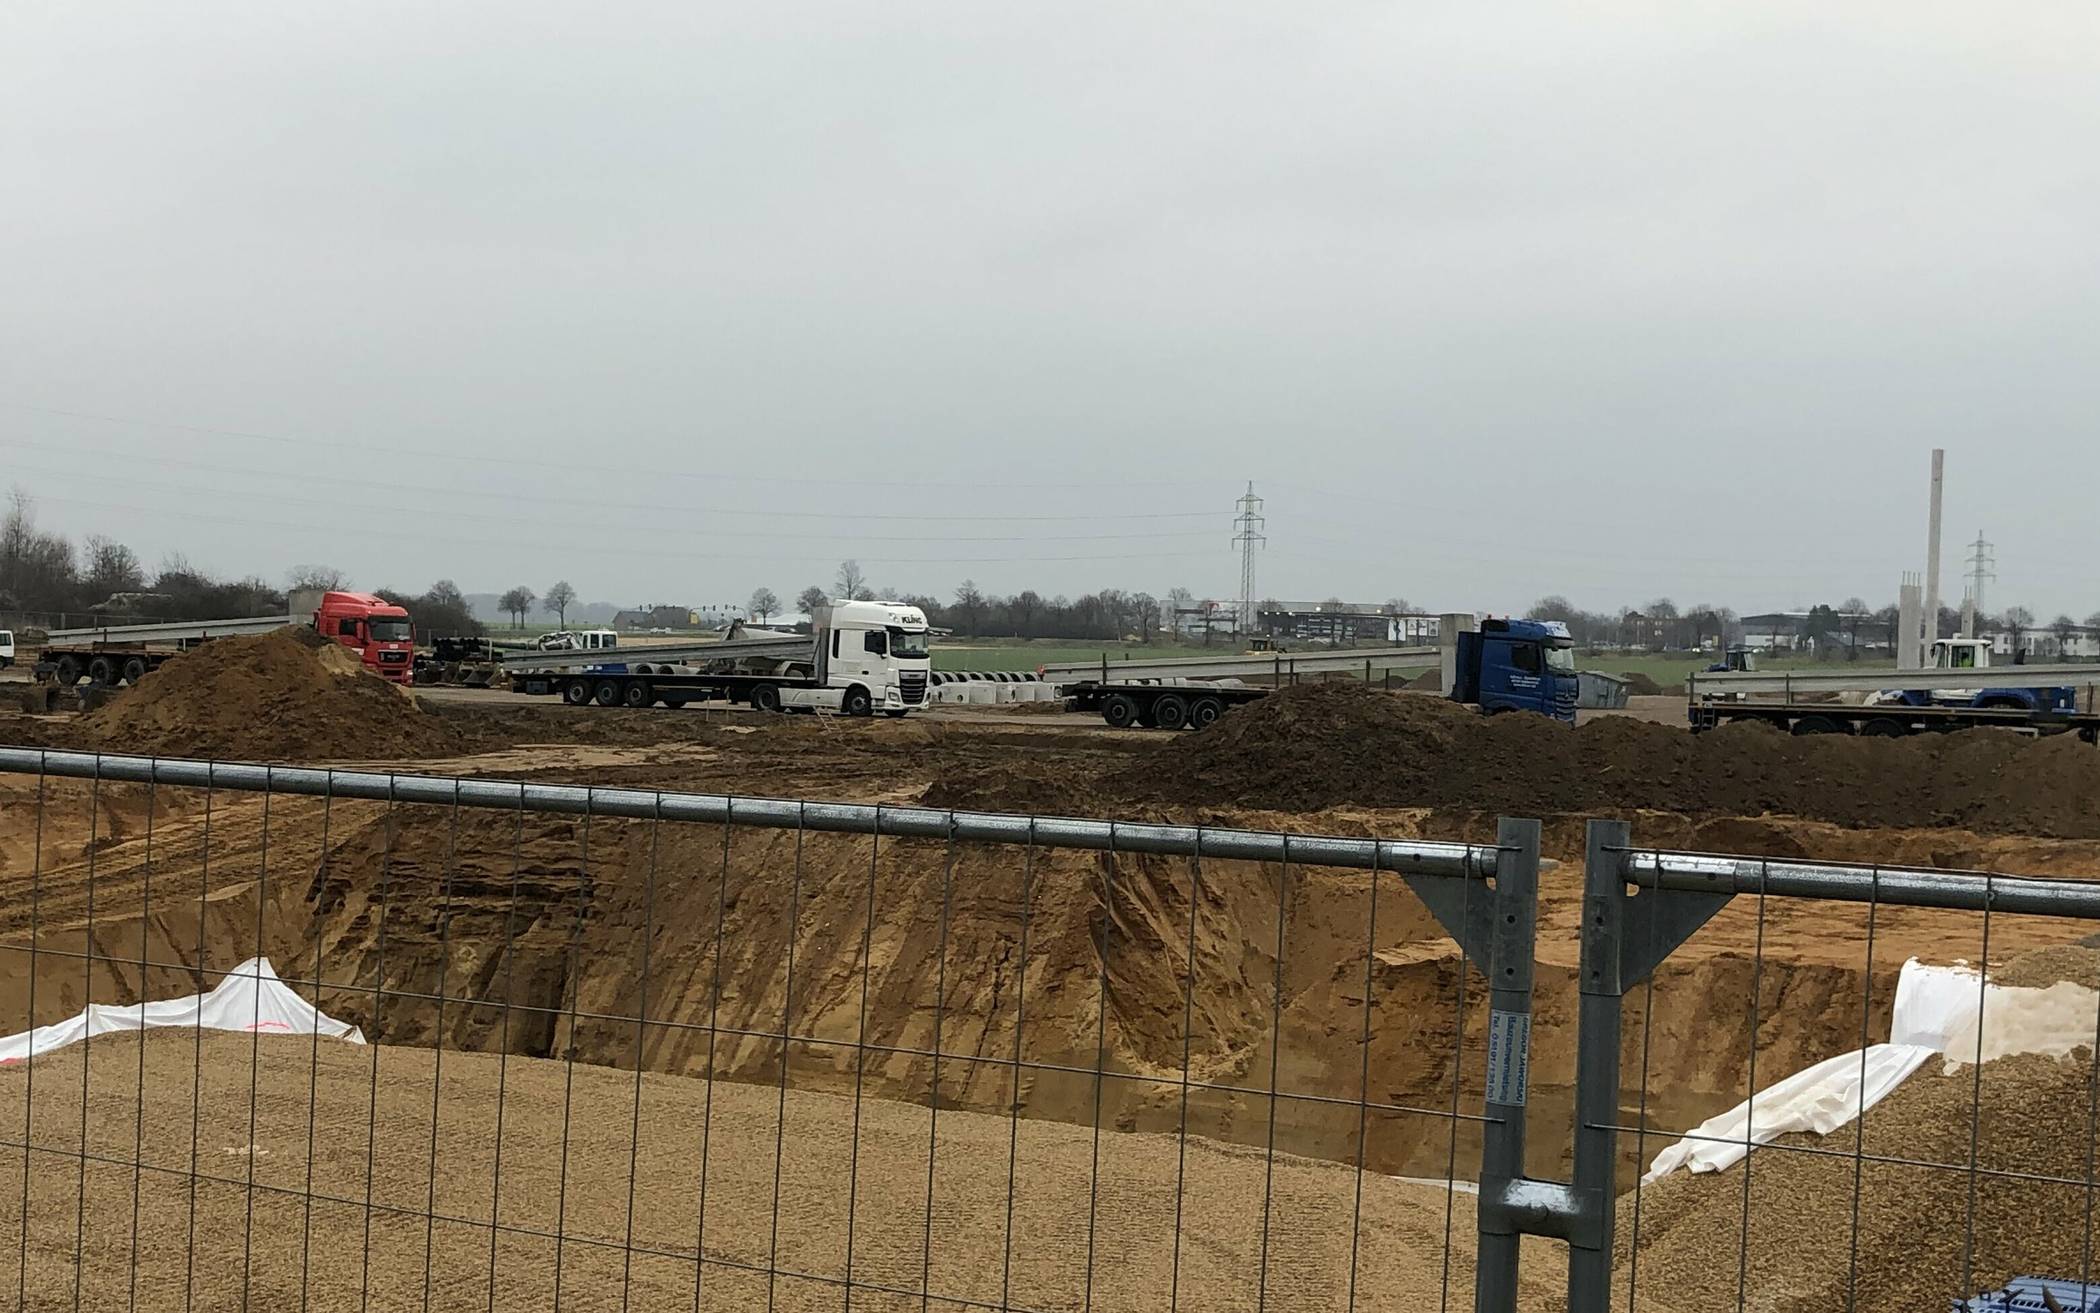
x=813 y=599
x=324 y=577
x=560 y=597
x=1024 y=607
x=517 y=602
x=1144 y=608
x=764 y=602
x=969 y=604
x=2063 y=627
x=111 y=567
x=853 y=582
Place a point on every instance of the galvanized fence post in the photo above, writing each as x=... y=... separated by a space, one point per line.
x=1509 y=961
x=1597 y=1065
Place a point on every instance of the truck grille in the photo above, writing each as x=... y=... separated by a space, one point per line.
x=393 y=658
x=911 y=686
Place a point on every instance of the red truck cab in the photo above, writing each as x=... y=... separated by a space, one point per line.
x=379 y=630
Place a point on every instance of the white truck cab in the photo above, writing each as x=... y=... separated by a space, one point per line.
x=871 y=656
x=1961 y=653
x=7 y=648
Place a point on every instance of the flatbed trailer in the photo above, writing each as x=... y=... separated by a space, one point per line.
x=630 y=688
x=1160 y=704
x=1889 y=720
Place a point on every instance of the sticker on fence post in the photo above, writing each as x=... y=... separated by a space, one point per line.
x=1509 y=1057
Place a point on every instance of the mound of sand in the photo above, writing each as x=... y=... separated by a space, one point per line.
x=277 y=696
x=1641 y=686
x=1319 y=746
x=611 y=1187
x=1928 y=1228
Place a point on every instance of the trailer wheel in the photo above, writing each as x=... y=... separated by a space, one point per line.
x=637 y=694
x=1204 y=712
x=766 y=697
x=1119 y=710
x=134 y=670
x=576 y=692
x=1818 y=725
x=1170 y=712
x=607 y=693
x=857 y=702
x=102 y=670
x=1884 y=729
x=674 y=703
x=68 y=672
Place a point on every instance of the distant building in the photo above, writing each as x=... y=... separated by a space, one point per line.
x=656 y=617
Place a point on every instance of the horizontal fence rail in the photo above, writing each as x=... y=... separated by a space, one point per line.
x=1400 y=856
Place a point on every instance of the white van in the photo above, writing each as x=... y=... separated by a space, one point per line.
x=7 y=648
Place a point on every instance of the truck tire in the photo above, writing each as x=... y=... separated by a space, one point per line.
x=1819 y=725
x=1119 y=710
x=576 y=692
x=674 y=703
x=67 y=673
x=857 y=702
x=607 y=694
x=637 y=694
x=1170 y=712
x=1204 y=712
x=1884 y=729
x=766 y=697
x=134 y=670
x=102 y=670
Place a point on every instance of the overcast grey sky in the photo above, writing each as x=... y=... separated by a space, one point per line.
x=675 y=300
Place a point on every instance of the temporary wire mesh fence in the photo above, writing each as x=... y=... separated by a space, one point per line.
x=646 y=1050
x=654 y=1050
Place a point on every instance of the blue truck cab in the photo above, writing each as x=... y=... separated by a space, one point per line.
x=1518 y=665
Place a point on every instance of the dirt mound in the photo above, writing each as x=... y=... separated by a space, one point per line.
x=282 y=695
x=2044 y=967
x=1915 y=1247
x=382 y=1138
x=1320 y=746
x=1640 y=685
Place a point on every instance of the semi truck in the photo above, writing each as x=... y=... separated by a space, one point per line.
x=379 y=631
x=1504 y=666
x=1812 y=703
x=859 y=658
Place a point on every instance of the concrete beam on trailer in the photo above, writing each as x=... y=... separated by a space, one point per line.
x=1342 y=660
x=174 y=632
x=670 y=653
x=1869 y=681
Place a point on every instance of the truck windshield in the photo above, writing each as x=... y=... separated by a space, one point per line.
x=1560 y=660
x=906 y=644
x=388 y=629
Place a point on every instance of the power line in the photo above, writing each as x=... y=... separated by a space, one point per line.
x=768 y=513
x=624 y=550
x=434 y=453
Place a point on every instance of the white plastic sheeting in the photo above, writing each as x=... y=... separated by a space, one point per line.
x=1936 y=1008
x=250 y=998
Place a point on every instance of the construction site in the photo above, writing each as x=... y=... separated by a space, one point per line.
x=613 y=1060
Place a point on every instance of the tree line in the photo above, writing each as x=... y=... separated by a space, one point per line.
x=1851 y=625
x=48 y=579
x=1109 y=614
